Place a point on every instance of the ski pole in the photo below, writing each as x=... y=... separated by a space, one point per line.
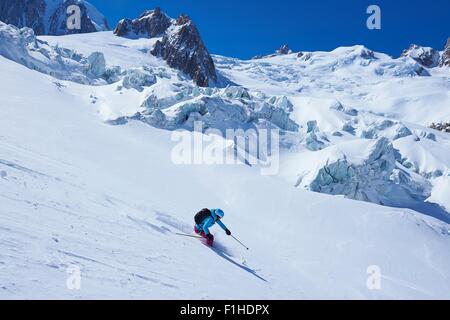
x=240 y=242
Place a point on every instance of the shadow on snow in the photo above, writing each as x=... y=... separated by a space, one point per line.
x=218 y=248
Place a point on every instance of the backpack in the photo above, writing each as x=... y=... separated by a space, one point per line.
x=202 y=215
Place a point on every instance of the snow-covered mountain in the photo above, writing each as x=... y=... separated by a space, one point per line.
x=426 y=56
x=179 y=43
x=49 y=17
x=150 y=24
x=88 y=179
x=283 y=50
x=445 y=58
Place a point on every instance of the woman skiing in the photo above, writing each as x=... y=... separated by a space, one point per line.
x=207 y=218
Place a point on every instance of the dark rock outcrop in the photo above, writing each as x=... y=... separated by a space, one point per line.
x=444 y=127
x=183 y=49
x=427 y=57
x=283 y=50
x=50 y=19
x=151 y=23
x=24 y=13
x=181 y=45
x=58 y=20
x=445 y=58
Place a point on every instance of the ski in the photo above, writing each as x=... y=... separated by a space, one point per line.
x=196 y=237
x=188 y=235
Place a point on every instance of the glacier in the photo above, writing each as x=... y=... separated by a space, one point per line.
x=323 y=101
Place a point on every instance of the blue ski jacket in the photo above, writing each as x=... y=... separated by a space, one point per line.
x=209 y=222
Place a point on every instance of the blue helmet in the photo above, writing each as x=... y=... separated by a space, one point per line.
x=219 y=213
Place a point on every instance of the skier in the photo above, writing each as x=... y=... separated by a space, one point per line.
x=205 y=219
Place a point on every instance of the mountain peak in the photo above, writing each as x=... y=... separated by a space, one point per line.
x=181 y=45
x=151 y=23
x=426 y=56
x=445 y=58
x=284 y=50
x=49 y=17
x=146 y=13
x=183 y=19
x=183 y=49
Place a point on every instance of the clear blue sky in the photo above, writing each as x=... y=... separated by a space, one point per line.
x=245 y=28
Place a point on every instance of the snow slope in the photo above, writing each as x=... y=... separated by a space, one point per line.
x=118 y=51
x=77 y=191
